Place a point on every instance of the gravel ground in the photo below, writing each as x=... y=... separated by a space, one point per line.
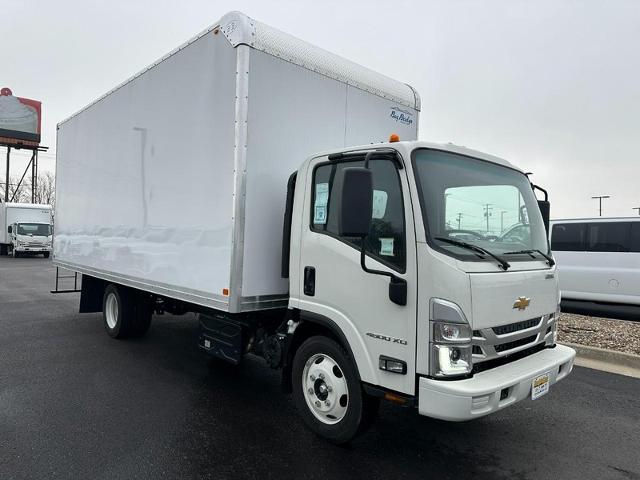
x=619 y=335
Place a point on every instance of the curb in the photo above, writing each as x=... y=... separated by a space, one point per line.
x=606 y=360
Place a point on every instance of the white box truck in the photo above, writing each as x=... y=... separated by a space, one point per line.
x=25 y=228
x=364 y=272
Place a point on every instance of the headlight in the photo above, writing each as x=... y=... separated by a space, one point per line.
x=450 y=344
x=451 y=332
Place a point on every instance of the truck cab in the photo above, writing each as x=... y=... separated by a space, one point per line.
x=30 y=238
x=459 y=328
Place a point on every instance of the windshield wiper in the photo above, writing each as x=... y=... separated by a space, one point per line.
x=503 y=263
x=531 y=252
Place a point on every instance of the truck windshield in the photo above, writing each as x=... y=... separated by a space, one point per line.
x=39 y=229
x=472 y=201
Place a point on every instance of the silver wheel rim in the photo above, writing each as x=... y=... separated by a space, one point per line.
x=111 y=310
x=325 y=389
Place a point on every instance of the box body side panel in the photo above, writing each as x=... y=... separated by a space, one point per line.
x=145 y=178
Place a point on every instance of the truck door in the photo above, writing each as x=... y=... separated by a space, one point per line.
x=335 y=286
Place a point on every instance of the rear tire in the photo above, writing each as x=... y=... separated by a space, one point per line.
x=327 y=391
x=45 y=254
x=115 y=308
x=125 y=312
x=143 y=312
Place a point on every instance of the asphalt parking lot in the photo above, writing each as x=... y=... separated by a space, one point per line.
x=76 y=404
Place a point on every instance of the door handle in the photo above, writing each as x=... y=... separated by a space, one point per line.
x=309 y=281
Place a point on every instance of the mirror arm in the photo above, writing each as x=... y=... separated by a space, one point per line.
x=397 y=285
x=370 y=270
x=536 y=187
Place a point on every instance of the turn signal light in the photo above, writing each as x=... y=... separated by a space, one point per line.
x=394 y=137
x=392 y=397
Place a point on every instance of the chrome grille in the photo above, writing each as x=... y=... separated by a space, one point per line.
x=493 y=343
x=503 y=347
x=516 y=327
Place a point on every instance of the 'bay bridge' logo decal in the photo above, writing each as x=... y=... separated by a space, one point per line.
x=402 y=116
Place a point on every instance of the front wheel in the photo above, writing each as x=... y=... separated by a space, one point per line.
x=327 y=391
x=45 y=254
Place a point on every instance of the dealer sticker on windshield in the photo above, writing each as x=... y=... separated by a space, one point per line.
x=540 y=386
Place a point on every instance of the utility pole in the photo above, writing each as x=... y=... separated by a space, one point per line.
x=6 y=184
x=459 y=219
x=487 y=213
x=600 y=197
x=636 y=208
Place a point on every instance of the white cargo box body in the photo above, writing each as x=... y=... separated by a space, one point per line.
x=175 y=181
x=11 y=213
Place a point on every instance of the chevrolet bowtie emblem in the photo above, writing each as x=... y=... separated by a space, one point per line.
x=521 y=303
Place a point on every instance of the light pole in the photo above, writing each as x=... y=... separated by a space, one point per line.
x=502 y=220
x=600 y=197
x=459 y=219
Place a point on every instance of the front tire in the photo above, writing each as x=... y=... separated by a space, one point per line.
x=327 y=391
x=45 y=254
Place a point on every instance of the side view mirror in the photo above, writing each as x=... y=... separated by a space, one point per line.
x=353 y=194
x=10 y=229
x=545 y=210
x=544 y=206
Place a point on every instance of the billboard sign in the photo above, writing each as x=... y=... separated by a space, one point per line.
x=19 y=119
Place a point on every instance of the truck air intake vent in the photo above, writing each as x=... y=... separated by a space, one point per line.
x=515 y=344
x=496 y=362
x=516 y=327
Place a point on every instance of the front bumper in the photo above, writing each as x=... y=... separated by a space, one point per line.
x=459 y=400
x=33 y=249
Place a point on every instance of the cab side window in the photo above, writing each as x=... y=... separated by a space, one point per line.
x=386 y=241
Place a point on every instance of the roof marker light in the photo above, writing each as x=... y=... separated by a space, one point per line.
x=394 y=137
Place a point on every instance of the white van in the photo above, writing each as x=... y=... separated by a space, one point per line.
x=598 y=259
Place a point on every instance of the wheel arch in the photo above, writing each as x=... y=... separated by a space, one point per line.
x=312 y=324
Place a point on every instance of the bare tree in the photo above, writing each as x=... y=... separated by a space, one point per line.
x=19 y=194
x=45 y=189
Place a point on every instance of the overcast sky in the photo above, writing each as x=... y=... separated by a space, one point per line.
x=552 y=86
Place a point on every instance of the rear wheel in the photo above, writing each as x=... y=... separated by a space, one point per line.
x=126 y=312
x=45 y=254
x=327 y=391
